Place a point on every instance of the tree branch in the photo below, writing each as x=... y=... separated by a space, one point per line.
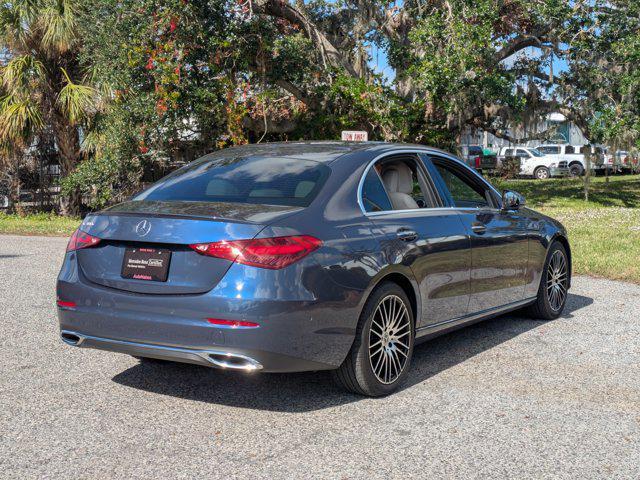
x=286 y=85
x=521 y=42
x=328 y=52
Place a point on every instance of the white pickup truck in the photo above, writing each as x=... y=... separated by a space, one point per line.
x=574 y=156
x=535 y=163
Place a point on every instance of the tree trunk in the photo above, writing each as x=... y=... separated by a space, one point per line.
x=587 y=171
x=14 y=194
x=68 y=142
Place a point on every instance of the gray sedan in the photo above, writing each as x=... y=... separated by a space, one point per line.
x=308 y=256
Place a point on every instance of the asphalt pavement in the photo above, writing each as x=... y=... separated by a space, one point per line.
x=508 y=398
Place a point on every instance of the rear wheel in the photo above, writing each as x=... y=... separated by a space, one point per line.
x=576 y=170
x=542 y=173
x=552 y=293
x=379 y=359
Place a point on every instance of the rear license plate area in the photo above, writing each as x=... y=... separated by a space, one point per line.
x=150 y=264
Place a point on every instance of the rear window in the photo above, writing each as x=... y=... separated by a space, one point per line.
x=275 y=181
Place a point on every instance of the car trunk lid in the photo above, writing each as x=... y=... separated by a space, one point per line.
x=170 y=227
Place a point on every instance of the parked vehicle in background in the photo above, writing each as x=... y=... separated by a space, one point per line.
x=535 y=163
x=475 y=157
x=622 y=161
x=569 y=153
x=574 y=156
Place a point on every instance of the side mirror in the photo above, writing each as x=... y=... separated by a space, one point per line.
x=512 y=200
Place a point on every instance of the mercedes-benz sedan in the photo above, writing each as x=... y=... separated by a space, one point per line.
x=308 y=256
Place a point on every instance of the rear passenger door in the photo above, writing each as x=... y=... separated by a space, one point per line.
x=428 y=239
x=499 y=239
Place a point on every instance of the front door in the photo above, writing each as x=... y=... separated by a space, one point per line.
x=499 y=239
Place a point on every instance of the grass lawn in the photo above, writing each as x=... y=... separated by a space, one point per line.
x=38 y=224
x=604 y=232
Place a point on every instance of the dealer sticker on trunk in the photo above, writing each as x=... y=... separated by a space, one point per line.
x=146 y=264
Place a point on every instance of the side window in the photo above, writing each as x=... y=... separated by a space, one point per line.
x=549 y=149
x=465 y=192
x=397 y=183
x=508 y=152
x=374 y=197
x=569 y=149
x=522 y=153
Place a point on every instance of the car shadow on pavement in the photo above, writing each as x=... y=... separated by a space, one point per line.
x=310 y=391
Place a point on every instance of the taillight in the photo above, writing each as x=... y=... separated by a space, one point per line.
x=81 y=239
x=478 y=164
x=272 y=253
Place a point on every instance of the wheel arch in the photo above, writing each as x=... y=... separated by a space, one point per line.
x=565 y=243
x=408 y=285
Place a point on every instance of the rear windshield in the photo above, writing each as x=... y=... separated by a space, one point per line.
x=275 y=181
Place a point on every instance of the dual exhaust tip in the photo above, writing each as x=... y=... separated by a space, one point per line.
x=224 y=360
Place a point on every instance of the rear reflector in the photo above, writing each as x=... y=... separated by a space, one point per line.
x=63 y=304
x=272 y=253
x=81 y=239
x=232 y=323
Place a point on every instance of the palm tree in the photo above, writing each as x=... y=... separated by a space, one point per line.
x=42 y=80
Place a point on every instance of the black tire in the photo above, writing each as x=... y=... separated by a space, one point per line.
x=357 y=373
x=543 y=307
x=542 y=173
x=576 y=170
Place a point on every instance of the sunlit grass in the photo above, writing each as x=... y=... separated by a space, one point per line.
x=38 y=224
x=605 y=232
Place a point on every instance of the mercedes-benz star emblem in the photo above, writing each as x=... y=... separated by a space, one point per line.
x=143 y=228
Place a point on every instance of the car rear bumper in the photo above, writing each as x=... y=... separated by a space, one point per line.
x=297 y=331
x=210 y=358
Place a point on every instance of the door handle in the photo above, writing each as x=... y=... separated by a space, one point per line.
x=478 y=228
x=406 y=235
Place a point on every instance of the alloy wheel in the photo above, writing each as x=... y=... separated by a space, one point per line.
x=542 y=173
x=389 y=339
x=557 y=280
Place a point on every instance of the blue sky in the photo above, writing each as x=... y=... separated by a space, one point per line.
x=380 y=64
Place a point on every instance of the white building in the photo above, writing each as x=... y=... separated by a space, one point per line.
x=565 y=132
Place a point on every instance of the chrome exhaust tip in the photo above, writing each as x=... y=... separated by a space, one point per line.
x=233 y=361
x=71 y=338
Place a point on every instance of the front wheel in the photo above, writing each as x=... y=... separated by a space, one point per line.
x=554 y=284
x=542 y=173
x=379 y=359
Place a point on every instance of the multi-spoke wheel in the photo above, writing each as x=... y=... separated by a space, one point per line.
x=557 y=278
x=381 y=353
x=389 y=338
x=552 y=295
x=542 y=173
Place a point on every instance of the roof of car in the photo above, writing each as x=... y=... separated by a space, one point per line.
x=320 y=151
